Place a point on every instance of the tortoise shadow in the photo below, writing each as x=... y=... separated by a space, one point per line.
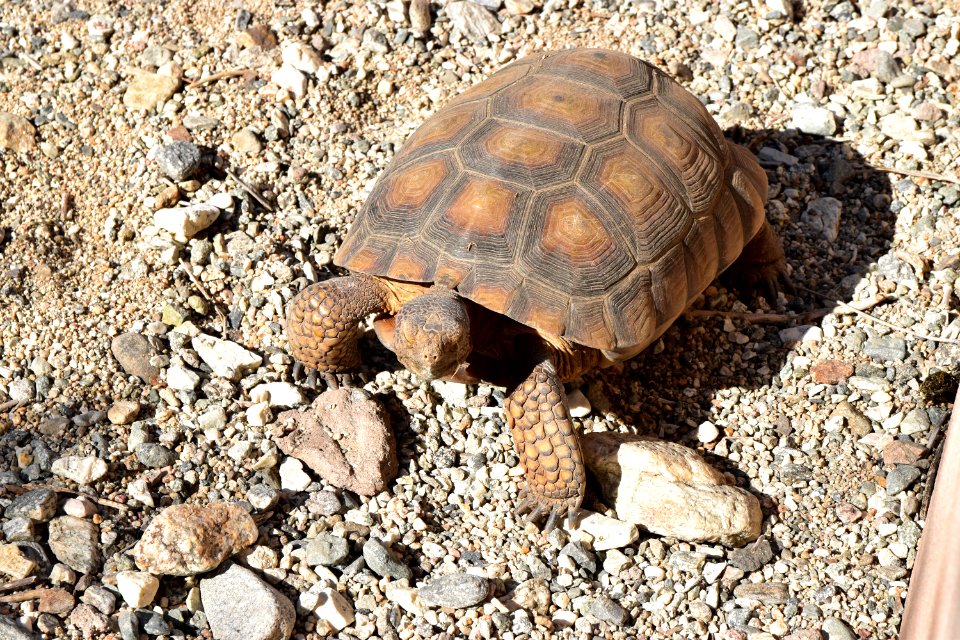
x=673 y=386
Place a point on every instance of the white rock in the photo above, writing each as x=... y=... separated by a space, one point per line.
x=607 y=532
x=578 y=404
x=707 y=432
x=139 y=490
x=452 y=392
x=222 y=201
x=137 y=588
x=186 y=222
x=815 y=120
x=181 y=378
x=472 y=20
x=669 y=490
x=262 y=282
x=82 y=470
x=327 y=604
x=301 y=56
x=291 y=79
x=407 y=597
x=79 y=508
x=903 y=127
x=801 y=333
x=725 y=28
x=259 y=414
x=292 y=475
x=227 y=359
x=278 y=394
x=782 y=8
x=823 y=215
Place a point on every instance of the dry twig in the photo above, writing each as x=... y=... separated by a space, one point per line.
x=929 y=175
x=776 y=318
x=253 y=192
x=232 y=73
x=17 y=489
x=18 y=584
x=889 y=325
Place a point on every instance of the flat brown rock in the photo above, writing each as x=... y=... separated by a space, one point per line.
x=346 y=438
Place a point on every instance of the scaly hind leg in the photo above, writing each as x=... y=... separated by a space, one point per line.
x=323 y=322
x=543 y=435
x=761 y=268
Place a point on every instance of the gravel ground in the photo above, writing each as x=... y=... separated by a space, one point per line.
x=828 y=419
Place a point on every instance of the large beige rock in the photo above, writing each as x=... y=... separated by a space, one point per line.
x=670 y=490
x=187 y=539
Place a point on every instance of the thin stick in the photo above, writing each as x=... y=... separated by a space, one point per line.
x=9 y=404
x=66 y=203
x=775 y=318
x=23 y=596
x=930 y=175
x=201 y=288
x=101 y=501
x=232 y=73
x=889 y=325
x=18 y=584
x=253 y=192
x=33 y=63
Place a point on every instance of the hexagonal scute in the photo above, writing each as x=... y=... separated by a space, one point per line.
x=519 y=153
x=634 y=190
x=618 y=73
x=569 y=242
x=442 y=130
x=541 y=306
x=667 y=138
x=507 y=75
x=560 y=105
x=685 y=106
x=479 y=219
x=631 y=310
x=404 y=194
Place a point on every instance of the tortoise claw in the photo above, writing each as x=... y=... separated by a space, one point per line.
x=330 y=380
x=536 y=508
x=297 y=372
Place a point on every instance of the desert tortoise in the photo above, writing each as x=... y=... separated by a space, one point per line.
x=554 y=218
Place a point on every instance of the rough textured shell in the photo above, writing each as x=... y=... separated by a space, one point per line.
x=583 y=193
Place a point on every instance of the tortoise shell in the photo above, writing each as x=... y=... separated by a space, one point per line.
x=583 y=193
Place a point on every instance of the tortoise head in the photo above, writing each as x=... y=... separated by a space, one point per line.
x=432 y=334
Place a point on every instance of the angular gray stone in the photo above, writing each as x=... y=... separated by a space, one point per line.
x=10 y=630
x=179 y=160
x=823 y=215
x=456 y=591
x=753 y=556
x=604 y=608
x=381 y=561
x=837 y=629
x=241 y=606
x=886 y=348
x=75 y=543
x=155 y=456
x=327 y=550
x=900 y=478
x=39 y=505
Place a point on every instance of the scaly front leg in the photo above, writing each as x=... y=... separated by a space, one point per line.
x=543 y=435
x=323 y=321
